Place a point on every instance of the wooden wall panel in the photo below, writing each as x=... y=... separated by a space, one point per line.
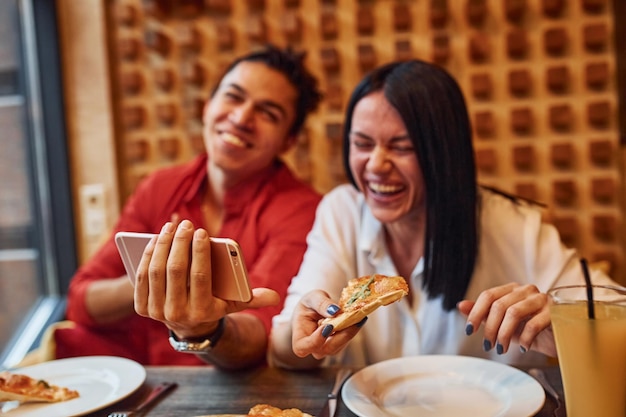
x=88 y=106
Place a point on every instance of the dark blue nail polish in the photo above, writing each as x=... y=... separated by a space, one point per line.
x=332 y=309
x=362 y=322
x=486 y=345
x=327 y=330
x=499 y=348
x=469 y=329
x=522 y=349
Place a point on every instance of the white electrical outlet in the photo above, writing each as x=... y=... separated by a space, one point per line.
x=93 y=209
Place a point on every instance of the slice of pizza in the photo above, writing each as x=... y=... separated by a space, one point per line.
x=363 y=295
x=17 y=387
x=265 y=410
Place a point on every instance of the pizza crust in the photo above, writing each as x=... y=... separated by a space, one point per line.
x=381 y=290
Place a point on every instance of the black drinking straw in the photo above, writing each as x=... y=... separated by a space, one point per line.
x=590 y=309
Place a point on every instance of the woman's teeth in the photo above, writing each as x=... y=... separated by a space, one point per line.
x=382 y=188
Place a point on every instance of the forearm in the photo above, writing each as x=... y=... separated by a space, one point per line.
x=243 y=344
x=109 y=300
x=281 y=351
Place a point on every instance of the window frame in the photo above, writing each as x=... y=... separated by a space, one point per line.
x=45 y=132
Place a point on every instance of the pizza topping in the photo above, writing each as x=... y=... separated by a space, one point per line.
x=363 y=292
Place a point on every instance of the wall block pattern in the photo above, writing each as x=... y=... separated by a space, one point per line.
x=539 y=78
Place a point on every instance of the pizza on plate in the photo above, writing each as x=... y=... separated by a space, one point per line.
x=17 y=387
x=265 y=410
x=363 y=295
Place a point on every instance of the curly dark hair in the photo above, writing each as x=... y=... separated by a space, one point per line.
x=291 y=64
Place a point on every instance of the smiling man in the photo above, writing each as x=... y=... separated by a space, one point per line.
x=238 y=189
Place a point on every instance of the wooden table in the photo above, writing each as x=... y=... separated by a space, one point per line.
x=204 y=390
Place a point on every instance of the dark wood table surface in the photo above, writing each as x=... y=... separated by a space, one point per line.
x=203 y=391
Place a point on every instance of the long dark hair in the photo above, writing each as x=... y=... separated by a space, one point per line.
x=433 y=110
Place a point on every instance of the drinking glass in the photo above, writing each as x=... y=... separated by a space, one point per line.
x=591 y=351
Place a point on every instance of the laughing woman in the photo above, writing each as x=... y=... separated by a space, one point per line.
x=478 y=262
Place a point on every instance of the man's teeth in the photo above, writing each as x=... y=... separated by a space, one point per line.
x=382 y=188
x=232 y=139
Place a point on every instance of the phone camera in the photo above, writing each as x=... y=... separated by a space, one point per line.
x=233 y=253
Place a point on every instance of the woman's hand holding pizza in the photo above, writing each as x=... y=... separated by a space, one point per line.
x=322 y=328
x=308 y=337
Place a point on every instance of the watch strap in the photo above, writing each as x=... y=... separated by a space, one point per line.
x=199 y=344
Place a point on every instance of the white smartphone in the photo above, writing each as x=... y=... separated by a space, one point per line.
x=230 y=276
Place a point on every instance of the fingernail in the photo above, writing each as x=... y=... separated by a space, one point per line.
x=499 y=348
x=332 y=309
x=469 y=329
x=167 y=227
x=522 y=349
x=200 y=234
x=486 y=345
x=185 y=224
x=327 y=330
x=362 y=322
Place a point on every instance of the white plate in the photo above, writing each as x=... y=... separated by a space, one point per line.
x=100 y=381
x=442 y=386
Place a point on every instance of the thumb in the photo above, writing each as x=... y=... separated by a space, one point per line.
x=263 y=297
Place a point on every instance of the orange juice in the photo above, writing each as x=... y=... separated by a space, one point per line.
x=592 y=357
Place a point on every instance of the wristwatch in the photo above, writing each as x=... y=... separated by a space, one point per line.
x=198 y=345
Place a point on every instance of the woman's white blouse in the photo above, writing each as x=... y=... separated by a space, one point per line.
x=346 y=241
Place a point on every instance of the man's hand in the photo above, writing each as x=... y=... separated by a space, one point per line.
x=174 y=283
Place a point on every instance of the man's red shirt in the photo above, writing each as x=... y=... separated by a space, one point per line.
x=269 y=215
